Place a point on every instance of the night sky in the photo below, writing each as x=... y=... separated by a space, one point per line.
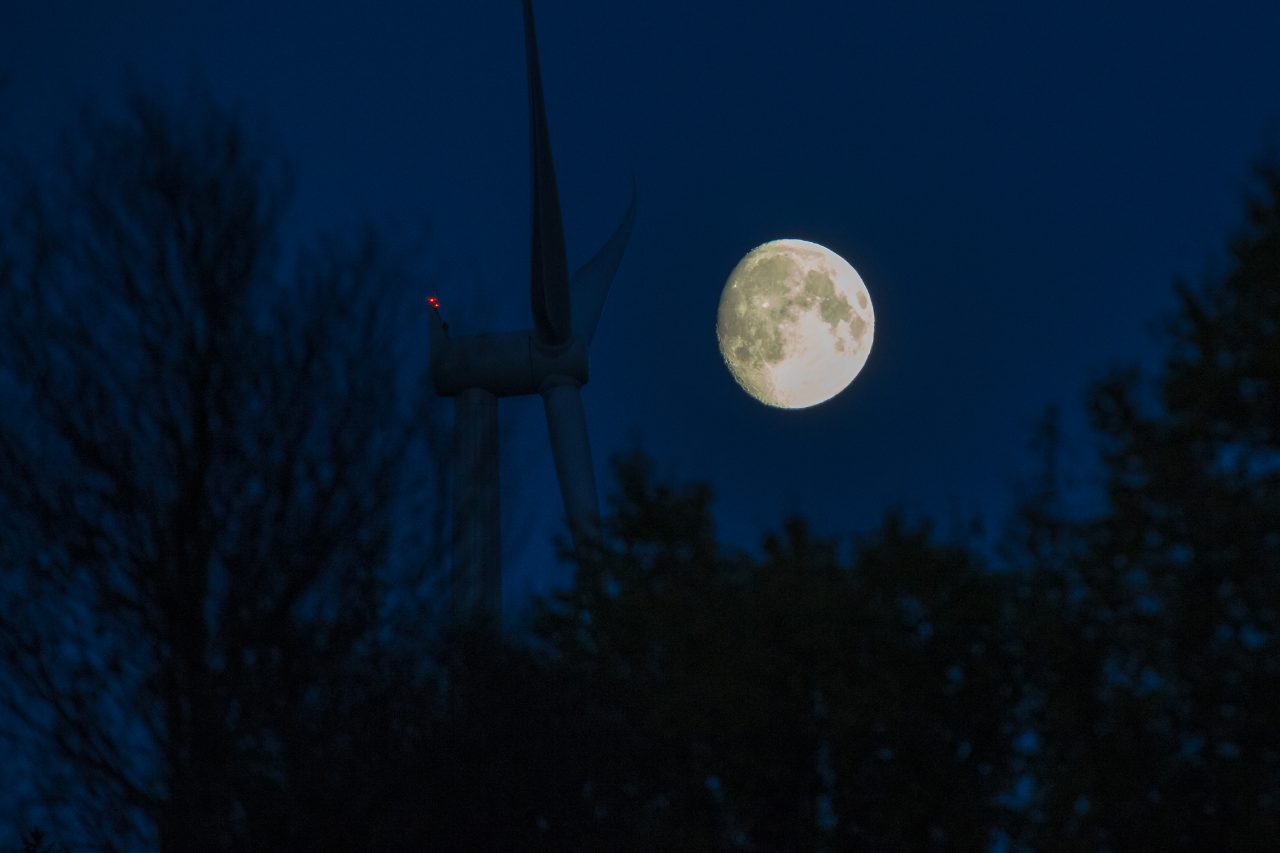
x=1018 y=184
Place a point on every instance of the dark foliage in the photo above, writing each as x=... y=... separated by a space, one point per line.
x=207 y=461
x=33 y=841
x=788 y=702
x=1151 y=659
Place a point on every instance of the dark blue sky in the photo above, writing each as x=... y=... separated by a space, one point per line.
x=1017 y=183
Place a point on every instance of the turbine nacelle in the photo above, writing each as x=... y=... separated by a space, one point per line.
x=504 y=364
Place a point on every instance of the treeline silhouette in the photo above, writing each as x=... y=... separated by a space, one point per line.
x=217 y=632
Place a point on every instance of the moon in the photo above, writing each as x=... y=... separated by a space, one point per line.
x=795 y=323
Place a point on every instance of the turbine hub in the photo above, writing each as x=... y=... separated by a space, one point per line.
x=506 y=365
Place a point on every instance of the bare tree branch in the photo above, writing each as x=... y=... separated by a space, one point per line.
x=206 y=470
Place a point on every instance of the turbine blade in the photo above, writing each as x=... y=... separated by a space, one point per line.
x=591 y=282
x=571 y=449
x=550 y=274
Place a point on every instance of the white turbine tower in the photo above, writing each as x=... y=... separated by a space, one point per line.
x=550 y=360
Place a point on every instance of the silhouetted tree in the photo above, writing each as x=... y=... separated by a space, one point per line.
x=214 y=471
x=1152 y=645
x=785 y=702
x=33 y=841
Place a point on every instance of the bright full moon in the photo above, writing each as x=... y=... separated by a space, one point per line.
x=795 y=323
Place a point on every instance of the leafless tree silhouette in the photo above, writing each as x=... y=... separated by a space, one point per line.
x=218 y=473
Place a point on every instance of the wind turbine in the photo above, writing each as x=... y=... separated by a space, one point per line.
x=549 y=360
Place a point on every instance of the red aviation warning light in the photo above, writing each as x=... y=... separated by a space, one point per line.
x=436 y=326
